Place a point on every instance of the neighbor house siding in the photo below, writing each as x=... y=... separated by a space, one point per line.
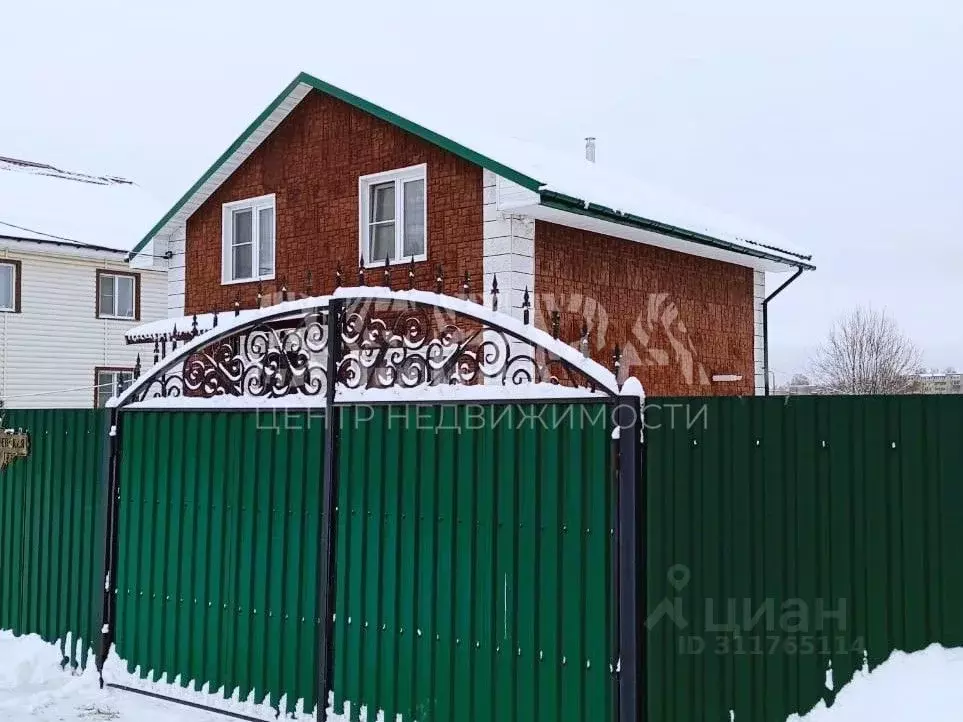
x=678 y=319
x=50 y=349
x=312 y=162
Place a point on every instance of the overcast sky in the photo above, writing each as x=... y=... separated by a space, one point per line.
x=839 y=123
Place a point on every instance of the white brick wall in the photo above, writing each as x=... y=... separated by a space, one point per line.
x=175 y=272
x=509 y=247
x=758 y=295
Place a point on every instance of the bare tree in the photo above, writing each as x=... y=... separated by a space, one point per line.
x=867 y=353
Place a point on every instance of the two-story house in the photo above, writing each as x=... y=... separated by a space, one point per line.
x=68 y=294
x=324 y=179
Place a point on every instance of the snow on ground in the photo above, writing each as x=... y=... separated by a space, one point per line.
x=925 y=686
x=920 y=687
x=33 y=687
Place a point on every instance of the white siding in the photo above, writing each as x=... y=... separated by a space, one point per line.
x=48 y=352
x=758 y=295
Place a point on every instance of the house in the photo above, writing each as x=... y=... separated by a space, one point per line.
x=323 y=178
x=67 y=291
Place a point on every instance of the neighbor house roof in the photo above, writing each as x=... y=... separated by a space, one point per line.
x=565 y=184
x=46 y=205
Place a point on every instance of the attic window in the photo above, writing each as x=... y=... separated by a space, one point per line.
x=393 y=209
x=118 y=295
x=248 y=240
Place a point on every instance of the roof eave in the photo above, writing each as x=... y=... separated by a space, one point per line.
x=570 y=204
x=88 y=248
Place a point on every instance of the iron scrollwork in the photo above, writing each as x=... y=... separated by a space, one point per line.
x=270 y=359
x=383 y=343
x=405 y=345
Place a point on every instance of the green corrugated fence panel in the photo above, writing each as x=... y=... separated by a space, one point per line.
x=219 y=540
x=474 y=563
x=790 y=536
x=51 y=528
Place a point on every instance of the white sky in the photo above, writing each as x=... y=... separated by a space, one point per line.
x=838 y=123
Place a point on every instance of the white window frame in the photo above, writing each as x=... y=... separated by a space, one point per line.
x=256 y=205
x=399 y=177
x=134 y=280
x=13 y=288
x=114 y=384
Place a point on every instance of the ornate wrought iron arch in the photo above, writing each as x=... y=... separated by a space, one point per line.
x=367 y=338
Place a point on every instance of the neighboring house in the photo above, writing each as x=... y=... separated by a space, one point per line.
x=67 y=291
x=322 y=178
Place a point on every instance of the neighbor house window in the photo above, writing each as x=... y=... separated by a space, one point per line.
x=10 y=286
x=110 y=382
x=393 y=210
x=248 y=240
x=117 y=295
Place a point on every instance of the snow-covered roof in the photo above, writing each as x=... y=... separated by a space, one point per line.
x=45 y=204
x=569 y=185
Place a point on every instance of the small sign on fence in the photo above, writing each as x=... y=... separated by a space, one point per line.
x=13 y=445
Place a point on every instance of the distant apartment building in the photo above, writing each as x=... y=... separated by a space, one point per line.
x=940 y=383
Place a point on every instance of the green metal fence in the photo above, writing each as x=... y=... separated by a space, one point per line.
x=51 y=533
x=473 y=555
x=820 y=527
x=218 y=529
x=474 y=566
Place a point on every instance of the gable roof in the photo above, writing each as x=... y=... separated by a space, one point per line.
x=568 y=184
x=43 y=204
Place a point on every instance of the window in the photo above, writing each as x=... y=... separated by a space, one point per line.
x=248 y=240
x=117 y=295
x=10 y=286
x=393 y=211
x=110 y=382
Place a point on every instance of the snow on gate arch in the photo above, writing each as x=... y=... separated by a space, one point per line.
x=388 y=345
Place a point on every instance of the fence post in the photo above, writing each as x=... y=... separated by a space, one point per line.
x=631 y=569
x=327 y=570
x=108 y=610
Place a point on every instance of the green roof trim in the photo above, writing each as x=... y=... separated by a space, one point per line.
x=361 y=104
x=562 y=202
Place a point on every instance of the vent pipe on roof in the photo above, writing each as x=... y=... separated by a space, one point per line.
x=590 y=149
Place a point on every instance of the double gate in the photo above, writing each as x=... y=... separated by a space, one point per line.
x=395 y=503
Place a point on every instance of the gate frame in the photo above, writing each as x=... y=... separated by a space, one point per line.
x=628 y=580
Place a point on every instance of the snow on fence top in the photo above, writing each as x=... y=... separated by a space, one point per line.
x=388 y=341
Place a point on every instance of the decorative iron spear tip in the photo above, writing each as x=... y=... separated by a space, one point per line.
x=194 y=326
x=495 y=292
x=337 y=276
x=361 y=271
x=411 y=274
x=260 y=293
x=526 y=306
x=387 y=273
x=215 y=318
x=439 y=280
x=174 y=339
x=284 y=291
x=137 y=367
x=156 y=349
x=465 y=284
x=584 y=343
x=556 y=323
x=237 y=307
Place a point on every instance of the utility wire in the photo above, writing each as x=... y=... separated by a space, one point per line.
x=81 y=243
